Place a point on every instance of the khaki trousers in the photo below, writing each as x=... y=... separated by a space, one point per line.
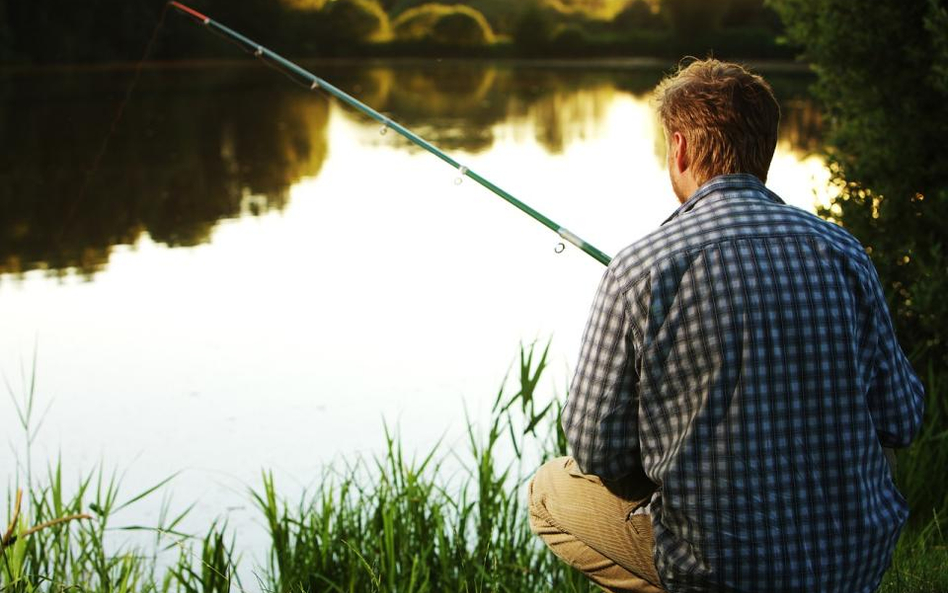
x=590 y=526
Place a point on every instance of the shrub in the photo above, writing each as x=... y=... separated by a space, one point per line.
x=357 y=21
x=464 y=26
x=533 y=31
x=571 y=37
x=690 y=18
x=637 y=14
x=448 y=25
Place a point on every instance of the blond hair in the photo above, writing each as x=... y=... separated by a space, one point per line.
x=728 y=116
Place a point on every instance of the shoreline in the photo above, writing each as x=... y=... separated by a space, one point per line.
x=606 y=63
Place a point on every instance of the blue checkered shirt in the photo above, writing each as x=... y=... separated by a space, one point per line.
x=743 y=356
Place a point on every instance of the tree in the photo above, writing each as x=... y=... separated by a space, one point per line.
x=464 y=26
x=444 y=24
x=637 y=14
x=571 y=37
x=887 y=113
x=6 y=34
x=533 y=30
x=692 y=18
x=357 y=21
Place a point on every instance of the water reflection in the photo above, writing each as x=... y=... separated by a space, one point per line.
x=199 y=145
x=188 y=152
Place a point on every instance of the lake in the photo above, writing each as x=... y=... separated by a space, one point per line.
x=254 y=277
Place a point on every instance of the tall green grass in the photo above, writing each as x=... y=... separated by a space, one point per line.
x=399 y=523
x=438 y=521
x=920 y=563
x=88 y=553
x=61 y=539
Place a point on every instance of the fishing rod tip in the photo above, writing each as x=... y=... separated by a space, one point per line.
x=190 y=11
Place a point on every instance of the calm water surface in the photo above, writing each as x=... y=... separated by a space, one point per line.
x=255 y=277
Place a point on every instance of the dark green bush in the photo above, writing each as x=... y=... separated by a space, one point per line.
x=357 y=21
x=533 y=31
x=464 y=26
x=443 y=24
x=689 y=18
x=637 y=14
x=571 y=37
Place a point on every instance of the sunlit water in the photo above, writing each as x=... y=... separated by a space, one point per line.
x=264 y=290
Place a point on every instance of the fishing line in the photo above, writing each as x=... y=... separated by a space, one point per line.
x=313 y=82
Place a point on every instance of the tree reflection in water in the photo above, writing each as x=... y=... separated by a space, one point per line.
x=198 y=145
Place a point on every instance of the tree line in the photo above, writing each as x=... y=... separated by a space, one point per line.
x=49 y=31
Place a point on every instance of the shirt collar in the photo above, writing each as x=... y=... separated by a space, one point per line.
x=714 y=187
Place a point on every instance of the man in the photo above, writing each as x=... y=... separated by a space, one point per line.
x=738 y=381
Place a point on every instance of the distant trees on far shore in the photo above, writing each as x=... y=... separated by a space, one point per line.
x=50 y=31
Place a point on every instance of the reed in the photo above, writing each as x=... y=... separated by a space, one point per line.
x=61 y=539
x=400 y=523
x=437 y=521
x=920 y=563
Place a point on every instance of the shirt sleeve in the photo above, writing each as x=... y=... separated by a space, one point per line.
x=896 y=396
x=601 y=413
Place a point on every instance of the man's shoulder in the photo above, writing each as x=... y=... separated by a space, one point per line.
x=726 y=216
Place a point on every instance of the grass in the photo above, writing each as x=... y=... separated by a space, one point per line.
x=413 y=530
x=59 y=540
x=920 y=563
x=65 y=542
x=395 y=523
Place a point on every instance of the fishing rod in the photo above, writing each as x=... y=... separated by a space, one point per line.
x=317 y=83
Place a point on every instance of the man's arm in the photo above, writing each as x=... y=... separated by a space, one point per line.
x=600 y=417
x=896 y=396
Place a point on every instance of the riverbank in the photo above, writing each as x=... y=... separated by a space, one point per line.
x=393 y=523
x=618 y=63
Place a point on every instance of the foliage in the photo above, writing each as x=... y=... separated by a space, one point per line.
x=192 y=148
x=59 y=540
x=533 y=31
x=443 y=24
x=395 y=524
x=637 y=14
x=918 y=565
x=503 y=15
x=463 y=26
x=692 y=18
x=886 y=109
x=590 y=9
x=886 y=138
x=356 y=21
x=500 y=14
x=116 y=30
x=428 y=533
x=88 y=554
x=306 y=5
x=6 y=35
x=571 y=36
x=926 y=492
x=70 y=31
x=752 y=13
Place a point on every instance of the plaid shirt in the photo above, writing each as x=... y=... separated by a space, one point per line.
x=742 y=355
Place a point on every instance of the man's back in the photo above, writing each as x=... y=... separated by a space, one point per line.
x=743 y=355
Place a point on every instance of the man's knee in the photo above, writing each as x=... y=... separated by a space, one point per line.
x=541 y=488
x=546 y=476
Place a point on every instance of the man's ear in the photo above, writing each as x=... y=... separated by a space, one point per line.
x=680 y=152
